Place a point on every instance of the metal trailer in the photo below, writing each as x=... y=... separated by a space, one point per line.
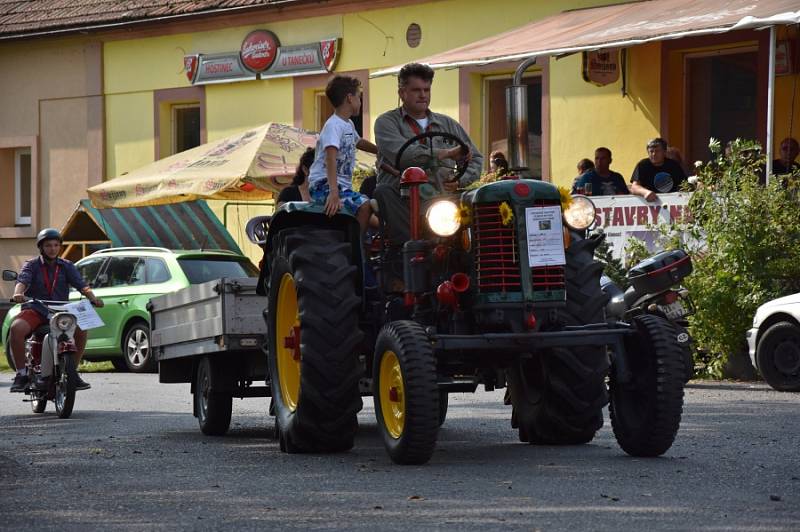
x=212 y=335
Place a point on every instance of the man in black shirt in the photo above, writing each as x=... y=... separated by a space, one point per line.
x=656 y=173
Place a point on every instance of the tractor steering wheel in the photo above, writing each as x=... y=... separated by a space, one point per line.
x=458 y=170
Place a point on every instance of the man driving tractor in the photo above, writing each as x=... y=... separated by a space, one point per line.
x=414 y=117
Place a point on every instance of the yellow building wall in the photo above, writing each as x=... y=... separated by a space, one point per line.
x=787 y=98
x=584 y=116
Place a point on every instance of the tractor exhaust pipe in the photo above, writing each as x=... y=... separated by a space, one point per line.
x=517 y=119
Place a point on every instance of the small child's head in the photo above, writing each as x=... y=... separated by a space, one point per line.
x=584 y=165
x=344 y=92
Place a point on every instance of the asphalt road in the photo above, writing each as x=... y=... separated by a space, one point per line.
x=133 y=458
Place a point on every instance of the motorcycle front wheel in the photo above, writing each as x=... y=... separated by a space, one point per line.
x=66 y=379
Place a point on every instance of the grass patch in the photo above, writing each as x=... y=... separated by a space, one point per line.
x=3 y=364
x=96 y=367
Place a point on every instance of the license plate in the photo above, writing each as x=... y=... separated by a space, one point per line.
x=674 y=310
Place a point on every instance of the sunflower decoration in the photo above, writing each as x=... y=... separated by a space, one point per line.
x=464 y=215
x=566 y=197
x=506 y=213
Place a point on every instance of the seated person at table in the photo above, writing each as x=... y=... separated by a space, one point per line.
x=656 y=173
x=601 y=179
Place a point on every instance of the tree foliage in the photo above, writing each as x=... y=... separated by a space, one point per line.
x=744 y=237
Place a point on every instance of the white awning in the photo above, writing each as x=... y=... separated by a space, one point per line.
x=615 y=26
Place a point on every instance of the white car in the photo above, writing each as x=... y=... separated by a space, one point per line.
x=774 y=342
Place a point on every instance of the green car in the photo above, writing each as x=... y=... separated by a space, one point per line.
x=125 y=279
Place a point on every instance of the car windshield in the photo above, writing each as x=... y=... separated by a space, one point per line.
x=200 y=270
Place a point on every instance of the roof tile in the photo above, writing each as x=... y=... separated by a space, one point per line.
x=19 y=18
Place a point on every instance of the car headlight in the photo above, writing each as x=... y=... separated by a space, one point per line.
x=580 y=213
x=443 y=218
x=65 y=322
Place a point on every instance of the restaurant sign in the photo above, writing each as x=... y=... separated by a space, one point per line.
x=601 y=67
x=261 y=56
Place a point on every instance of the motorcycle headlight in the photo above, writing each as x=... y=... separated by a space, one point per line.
x=580 y=213
x=443 y=218
x=65 y=322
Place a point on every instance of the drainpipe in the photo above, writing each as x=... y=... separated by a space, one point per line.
x=517 y=118
x=770 y=100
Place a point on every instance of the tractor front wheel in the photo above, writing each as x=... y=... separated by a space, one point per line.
x=406 y=395
x=646 y=409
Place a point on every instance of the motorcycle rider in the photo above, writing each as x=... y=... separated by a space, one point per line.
x=46 y=277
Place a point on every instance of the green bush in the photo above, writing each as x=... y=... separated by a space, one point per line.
x=744 y=238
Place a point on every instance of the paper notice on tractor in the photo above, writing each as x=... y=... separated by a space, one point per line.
x=545 y=236
x=85 y=314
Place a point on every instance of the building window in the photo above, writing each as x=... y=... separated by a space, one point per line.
x=323 y=109
x=495 y=123
x=180 y=120
x=22 y=186
x=185 y=127
x=721 y=89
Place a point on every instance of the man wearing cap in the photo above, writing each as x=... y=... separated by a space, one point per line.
x=656 y=173
x=46 y=277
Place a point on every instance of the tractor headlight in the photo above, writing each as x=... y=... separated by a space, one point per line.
x=443 y=218
x=65 y=322
x=580 y=213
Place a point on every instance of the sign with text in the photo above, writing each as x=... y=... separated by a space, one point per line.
x=545 y=236
x=623 y=217
x=261 y=56
x=601 y=67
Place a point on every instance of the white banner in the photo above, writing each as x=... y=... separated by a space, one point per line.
x=622 y=217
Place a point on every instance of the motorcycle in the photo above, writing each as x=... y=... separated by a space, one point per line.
x=50 y=358
x=655 y=289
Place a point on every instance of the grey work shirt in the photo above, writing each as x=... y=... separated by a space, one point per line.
x=392 y=131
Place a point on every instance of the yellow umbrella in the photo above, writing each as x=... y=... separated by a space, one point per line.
x=252 y=165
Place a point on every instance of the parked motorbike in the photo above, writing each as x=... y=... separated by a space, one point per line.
x=655 y=289
x=50 y=358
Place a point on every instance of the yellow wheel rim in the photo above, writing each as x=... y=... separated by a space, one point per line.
x=392 y=394
x=287 y=340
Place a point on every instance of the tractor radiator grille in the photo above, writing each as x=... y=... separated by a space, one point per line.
x=496 y=253
x=497 y=262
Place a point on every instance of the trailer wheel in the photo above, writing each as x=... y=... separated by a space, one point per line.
x=213 y=409
x=313 y=337
x=558 y=394
x=646 y=411
x=407 y=398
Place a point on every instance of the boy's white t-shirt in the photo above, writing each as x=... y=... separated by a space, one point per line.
x=342 y=135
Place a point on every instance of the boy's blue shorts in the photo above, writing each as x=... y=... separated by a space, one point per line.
x=350 y=200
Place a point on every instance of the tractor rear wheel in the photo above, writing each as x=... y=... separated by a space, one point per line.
x=558 y=394
x=313 y=338
x=406 y=395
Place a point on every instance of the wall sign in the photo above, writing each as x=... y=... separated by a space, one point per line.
x=783 y=58
x=259 y=49
x=601 y=67
x=261 y=56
